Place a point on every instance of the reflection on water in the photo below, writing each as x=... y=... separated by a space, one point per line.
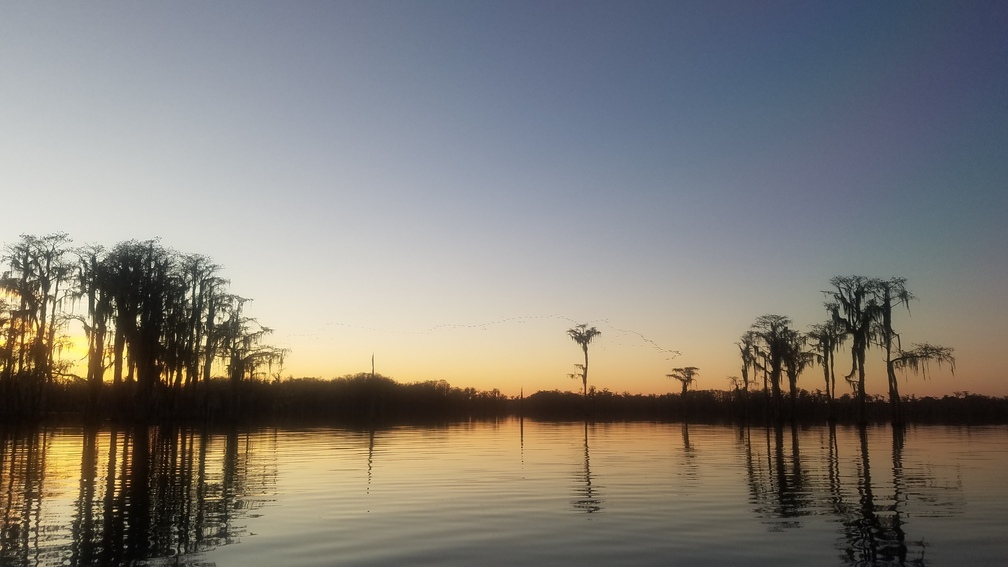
x=140 y=492
x=370 y=457
x=690 y=462
x=502 y=493
x=874 y=532
x=586 y=497
x=869 y=509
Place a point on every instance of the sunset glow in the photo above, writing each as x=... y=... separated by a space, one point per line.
x=449 y=187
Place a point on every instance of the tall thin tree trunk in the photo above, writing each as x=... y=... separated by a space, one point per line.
x=894 y=397
x=685 y=385
x=96 y=367
x=887 y=336
x=862 y=401
x=826 y=378
x=210 y=352
x=118 y=347
x=52 y=336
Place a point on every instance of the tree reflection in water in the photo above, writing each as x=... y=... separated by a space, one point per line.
x=121 y=495
x=162 y=492
x=777 y=486
x=82 y=548
x=23 y=455
x=875 y=535
x=871 y=518
x=690 y=468
x=370 y=458
x=586 y=496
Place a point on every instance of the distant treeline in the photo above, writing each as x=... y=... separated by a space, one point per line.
x=375 y=400
x=354 y=399
x=718 y=406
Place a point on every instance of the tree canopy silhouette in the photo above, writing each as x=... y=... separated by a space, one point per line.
x=773 y=344
x=854 y=308
x=686 y=376
x=583 y=335
x=862 y=308
x=825 y=339
x=159 y=319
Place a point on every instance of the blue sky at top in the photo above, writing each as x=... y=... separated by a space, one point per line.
x=390 y=177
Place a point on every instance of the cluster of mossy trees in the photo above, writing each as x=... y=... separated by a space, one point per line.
x=159 y=320
x=859 y=310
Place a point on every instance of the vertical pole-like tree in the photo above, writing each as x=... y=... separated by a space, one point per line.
x=583 y=335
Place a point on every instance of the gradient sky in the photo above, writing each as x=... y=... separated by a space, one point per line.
x=452 y=185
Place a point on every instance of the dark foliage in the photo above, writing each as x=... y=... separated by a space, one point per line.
x=157 y=319
x=366 y=400
x=355 y=399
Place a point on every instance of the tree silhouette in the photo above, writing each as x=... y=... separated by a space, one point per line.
x=773 y=341
x=825 y=339
x=91 y=284
x=38 y=271
x=158 y=317
x=890 y=293
x=863 y=309
x=52 y=270
x=893 y=293
x=854 y=309
x=145 y=293
x=583 y=335
x=19 y=283
x=747 y=350
x=686 y=376
x=796 y=359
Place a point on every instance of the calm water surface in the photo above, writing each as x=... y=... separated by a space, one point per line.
x=505 y=493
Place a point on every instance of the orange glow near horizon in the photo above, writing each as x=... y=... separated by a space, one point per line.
x=632 y=370
x=534 y=355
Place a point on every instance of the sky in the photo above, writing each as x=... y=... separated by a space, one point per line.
x=451 y=185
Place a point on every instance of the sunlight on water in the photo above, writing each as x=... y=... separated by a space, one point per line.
x=506 y=493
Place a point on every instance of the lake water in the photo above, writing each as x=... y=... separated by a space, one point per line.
x=506 y=493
